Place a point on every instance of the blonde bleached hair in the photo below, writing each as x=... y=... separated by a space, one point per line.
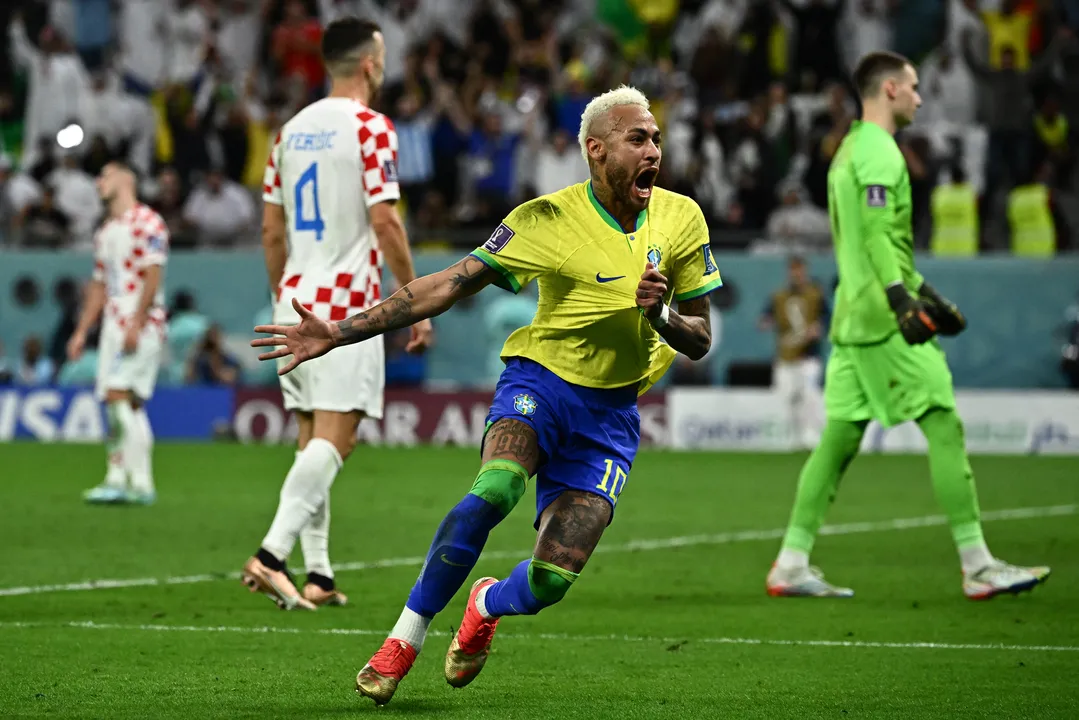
x=601 y=105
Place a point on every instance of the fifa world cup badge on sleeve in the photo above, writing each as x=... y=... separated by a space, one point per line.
x=389 y=169
x=524 y=404
x=709 y=263
x=876 y=196
x=498 y=239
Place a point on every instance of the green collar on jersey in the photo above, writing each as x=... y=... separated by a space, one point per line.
x=607 y=217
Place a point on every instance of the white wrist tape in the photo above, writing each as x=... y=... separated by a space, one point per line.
x=663 y=319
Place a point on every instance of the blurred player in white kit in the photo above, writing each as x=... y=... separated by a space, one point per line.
x=329 y=218
x=130 y=250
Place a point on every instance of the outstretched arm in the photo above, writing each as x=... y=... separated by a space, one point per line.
x=420 y=299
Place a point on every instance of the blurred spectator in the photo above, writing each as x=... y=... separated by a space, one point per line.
x=296 y=46
x=57 y=83
x=947 y=88
x=1008 y=30
x=43 y=224
x=143 y=35
x=211 y=364
x=169 y=203
x=124 y=122
x=817 y=42
x=239 y=27
x=1008 y=95
x=220 y=210
x=492 y=158
x=35 y=367
x=753 y=168
x=92 y=31
x=186 y=328
x=559 y=164
x=76 y=197
x=187 y=34
x=501 y=316
x=866 y=26
x=798 y=219
x=1038 y=227
x=1053 y=138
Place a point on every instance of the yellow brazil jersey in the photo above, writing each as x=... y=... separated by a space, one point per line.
x=587 y=328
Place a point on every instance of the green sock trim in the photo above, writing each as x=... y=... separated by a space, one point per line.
x=501 y=483
x=549 y=582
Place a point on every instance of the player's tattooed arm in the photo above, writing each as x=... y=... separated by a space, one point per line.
x=689 y=331
x=422 y=298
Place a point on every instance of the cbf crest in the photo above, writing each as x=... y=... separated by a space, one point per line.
x=524 y=404
x=655 y=255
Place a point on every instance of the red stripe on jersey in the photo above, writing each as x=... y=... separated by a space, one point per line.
x=337 y=312
x=356 y=299
x=344 y=280
x=365 y=115
x=323 y=295
x=292 y=281
x=382 y=141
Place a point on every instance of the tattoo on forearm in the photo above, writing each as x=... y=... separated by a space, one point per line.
x=690 y=329
x=468 y=276
x=571 y=529
x=393 y=314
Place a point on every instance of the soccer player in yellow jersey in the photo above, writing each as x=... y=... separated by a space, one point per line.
x=610 y=255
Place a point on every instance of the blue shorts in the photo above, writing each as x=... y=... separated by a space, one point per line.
x=588 y=437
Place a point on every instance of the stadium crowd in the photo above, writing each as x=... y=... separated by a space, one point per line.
x=752 y=96
x=486 y=96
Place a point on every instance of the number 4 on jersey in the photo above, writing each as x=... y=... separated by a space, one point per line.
x=309 y=179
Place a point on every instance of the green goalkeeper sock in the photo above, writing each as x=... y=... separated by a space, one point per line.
x=953 y=484
x=817 y=487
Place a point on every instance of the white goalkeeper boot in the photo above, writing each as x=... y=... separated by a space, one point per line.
x=999 y=577
x=805 y=581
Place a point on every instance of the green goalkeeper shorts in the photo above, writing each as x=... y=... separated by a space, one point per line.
x=890 y=382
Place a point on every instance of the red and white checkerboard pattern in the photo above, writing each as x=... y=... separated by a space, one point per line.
x=345 y=293
x=378 y=151
x=124 y=248
x=271 y=179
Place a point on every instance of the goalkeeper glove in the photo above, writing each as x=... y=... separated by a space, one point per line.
x=943 y=311
x=915 y=324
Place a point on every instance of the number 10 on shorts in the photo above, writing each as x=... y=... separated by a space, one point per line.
x=616 y=483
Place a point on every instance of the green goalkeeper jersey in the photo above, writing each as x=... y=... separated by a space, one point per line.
x=870 y=211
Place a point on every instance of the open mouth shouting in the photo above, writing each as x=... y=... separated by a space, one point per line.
x=642 y=185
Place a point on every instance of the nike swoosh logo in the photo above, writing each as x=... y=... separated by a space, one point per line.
x=450 y=562
x=600 y=279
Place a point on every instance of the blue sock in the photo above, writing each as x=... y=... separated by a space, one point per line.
x=513 y=596
x=454 y=551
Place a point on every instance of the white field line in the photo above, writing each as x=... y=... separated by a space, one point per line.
x=632 y=546
x=547 y=637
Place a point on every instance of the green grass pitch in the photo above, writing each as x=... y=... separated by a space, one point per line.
x=675 y=626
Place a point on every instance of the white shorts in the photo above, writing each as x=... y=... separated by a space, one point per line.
x=136 y=372
x=347 y=378
x=798 y=379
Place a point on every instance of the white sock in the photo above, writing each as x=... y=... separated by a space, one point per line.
x=306 y=487
x=975 y=557
x=792 y=559
x=315 y=541
x=481 y=602
x=412 y=628
x=138 y=452
x=116 y=475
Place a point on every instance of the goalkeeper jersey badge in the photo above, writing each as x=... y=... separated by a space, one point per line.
x=524 y=404
x=876 y=196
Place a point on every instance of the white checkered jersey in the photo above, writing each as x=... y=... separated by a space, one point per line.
x=124 y=248
x=330 y=155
